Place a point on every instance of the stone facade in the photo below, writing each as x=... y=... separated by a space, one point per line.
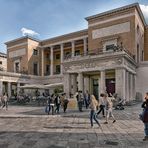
x=103 y=58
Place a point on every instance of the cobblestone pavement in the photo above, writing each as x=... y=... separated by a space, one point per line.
x=29 y=127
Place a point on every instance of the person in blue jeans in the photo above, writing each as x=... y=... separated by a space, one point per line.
x=145 y=116
x=93 y=106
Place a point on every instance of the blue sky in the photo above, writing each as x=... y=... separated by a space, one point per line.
x=50 y=18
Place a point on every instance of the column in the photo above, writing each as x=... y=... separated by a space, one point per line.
x=9 y=89
x=121 y=83
x=127 y=86
x=85 y=46
x=80 y=82
x=131 y=86
x=102 y=82
x=134 y=86
x=67 y=84
x=1 y=87
x=74 y=83
x=86 y=84
x=42 y=62
x=51 y=60
x=62 y=58
x=73 y=48
x=18 y=88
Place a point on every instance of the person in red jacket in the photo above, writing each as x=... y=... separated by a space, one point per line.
x=145 y=116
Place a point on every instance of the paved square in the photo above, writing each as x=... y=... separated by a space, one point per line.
x=29 y=127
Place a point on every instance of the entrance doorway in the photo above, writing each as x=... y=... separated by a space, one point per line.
x=95 y=88
x=110 y=86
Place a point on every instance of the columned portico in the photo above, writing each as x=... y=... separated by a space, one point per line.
x=80 y=82
x=9 y=89
x=51 y=60
x=102 y=86
x=42 y=63
x=73 y=48
x=62 y=57
x=120 y=82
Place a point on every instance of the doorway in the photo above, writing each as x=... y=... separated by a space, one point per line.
x=95 y=88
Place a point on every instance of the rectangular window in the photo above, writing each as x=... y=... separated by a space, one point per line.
x=58 y=69
x=1 y=62
x=109 y=47
x=67 y=55
x=17 y=67
x=57 y=57
x=35 y=52
x=77 y=52
x=47 y=69
x=35 y=68
x=47 y=56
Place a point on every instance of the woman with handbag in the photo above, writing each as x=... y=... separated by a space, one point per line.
x=145 y=116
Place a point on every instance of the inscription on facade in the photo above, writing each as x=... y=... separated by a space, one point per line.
x=111 y=30
x=17 y=53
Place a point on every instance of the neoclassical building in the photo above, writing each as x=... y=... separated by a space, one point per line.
x=109 y=56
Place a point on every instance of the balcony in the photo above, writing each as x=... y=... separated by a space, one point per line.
x=99 y=53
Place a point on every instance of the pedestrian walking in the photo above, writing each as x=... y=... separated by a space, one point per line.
x=64 y=102
x=86 y=98
x=101 y=105
x=145 y=116
x=108 y=108
x=93 y=106
x=80 y=100
x=5 y=101
x=57 y=103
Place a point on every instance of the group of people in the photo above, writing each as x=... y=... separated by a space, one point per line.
x=4 y=101
x=104 y=105
x=55 y=101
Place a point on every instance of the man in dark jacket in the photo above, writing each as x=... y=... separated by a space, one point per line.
x=145 y=116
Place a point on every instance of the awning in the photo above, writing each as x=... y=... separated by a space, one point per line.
x=33 y=86
x=54 y=85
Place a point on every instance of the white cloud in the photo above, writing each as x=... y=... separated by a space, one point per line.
x=144 y=9
x=29 y=32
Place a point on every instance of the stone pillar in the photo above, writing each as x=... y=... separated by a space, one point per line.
x=18 y=88
x=121 y=83
x=134 y=86
x=85 y=46
x=9 y=89
x=51 y=60
x=74 y=83
x=1 y=87
x=102 y=82
x=131 y=86
x=42 y=62
x=80 y=82
x=127 y=86
x=86 y=84
x=67 y=84
x=73 y=48
x=62 y=58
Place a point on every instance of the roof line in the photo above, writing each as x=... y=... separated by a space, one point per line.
x=24 y=37
x=119 y=9
x=65 y=35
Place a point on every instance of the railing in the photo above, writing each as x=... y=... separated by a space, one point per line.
x=100 y=52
